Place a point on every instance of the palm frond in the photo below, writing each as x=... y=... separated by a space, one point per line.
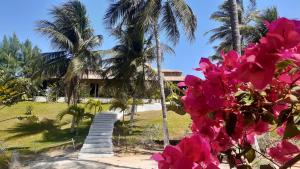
x=169 y=23
x=185 y=16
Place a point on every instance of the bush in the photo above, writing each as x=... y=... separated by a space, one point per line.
x=150 y=134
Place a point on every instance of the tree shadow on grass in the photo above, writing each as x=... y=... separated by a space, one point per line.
x=27 y=128
x=65 y=135
x=125 y=128
x=50 y=129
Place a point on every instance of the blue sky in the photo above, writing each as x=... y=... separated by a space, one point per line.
x=20 y=16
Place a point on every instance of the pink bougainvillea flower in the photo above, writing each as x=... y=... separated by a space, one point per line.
x=205 y=65
x=289 y=78
x=251 y=71
x=196 y=148
x=222 y=143
x=280 y=131
x=230 y=59
x=260 y=127
x=207 y=127
x=283 y=151
x=172 y=158
x=213 y=90
x=181 y=84
x=189 y=154
x=278 y=108
x=287 y=30
x=261 y=71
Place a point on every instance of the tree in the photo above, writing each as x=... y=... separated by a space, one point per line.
x=251 y=24
x=19 y=63
x=223 y=32
x=95 y=105
x=130 y=63
x=121 y=104
x=259 y=29
x=71 y=34
x=234 y=22
x=77 y=113
x=149 y=14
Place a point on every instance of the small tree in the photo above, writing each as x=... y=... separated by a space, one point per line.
x=78 y=115
x=120 y=103
x=95 y=105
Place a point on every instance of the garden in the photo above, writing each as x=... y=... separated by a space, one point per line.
x=241 y=110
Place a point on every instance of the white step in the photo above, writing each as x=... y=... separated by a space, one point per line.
x=101 y=128
x=104 y=144
x=98 y=143
x=100 y=136
x=99 y=133
x=93 y=156
x=97 y=150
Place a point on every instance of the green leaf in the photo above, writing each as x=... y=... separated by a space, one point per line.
x=268 y=117
x=266 y=166
x=244 y=97
x=250 y=155
x=240 y=92
x=284 y=114
x=283 y=64
x=230 y=123
x=291 y=129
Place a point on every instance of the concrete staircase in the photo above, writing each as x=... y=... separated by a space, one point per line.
x=98 y=143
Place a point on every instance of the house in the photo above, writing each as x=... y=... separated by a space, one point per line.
x=95 y=81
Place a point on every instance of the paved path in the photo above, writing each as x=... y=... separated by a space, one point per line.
x=98 y=143
x=68 y=160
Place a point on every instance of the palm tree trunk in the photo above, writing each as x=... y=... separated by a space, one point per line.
x=75 y=82
x=72 y=130
x=133 y=110
x=161 y=85
x=234 y=21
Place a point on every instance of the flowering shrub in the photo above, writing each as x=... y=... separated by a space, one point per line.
x=241 y=97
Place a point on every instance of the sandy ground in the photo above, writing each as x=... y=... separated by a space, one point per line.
x=65 y=160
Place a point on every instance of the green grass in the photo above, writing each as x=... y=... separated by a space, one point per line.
x=179 y=125
x=32 y=138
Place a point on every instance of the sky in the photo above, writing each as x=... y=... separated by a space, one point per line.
x=20 y=17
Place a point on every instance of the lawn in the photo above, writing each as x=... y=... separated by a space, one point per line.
x=33 y=138
x=178 y=124
x=16 y=135
x=149 y=125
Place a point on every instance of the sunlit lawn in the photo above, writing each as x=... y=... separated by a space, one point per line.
x=16 y=136
x=30 y=139
x=178 y=125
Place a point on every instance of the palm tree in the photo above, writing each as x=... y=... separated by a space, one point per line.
x=130 y=64
x=251 y=24
x=224 y=32
x=149 y=14
x=259 y=29
x=234 y=22
x=94 y=104
x=71 y=34
x=121 y=104
x=78 y=115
